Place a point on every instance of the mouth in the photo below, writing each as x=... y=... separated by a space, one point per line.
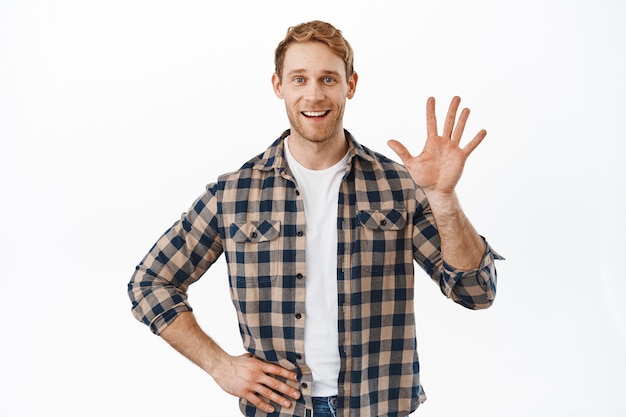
x=315 y=113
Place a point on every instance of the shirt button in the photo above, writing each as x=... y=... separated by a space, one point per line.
x=300 y=233
x=383 y=222
x=298 y=356
x=254 y=235
x=299 y=276
x=298 y=316
x=297 y=192
x=305 y=385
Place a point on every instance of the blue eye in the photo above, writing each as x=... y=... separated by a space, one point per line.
x=329 y=80
x=298 y=80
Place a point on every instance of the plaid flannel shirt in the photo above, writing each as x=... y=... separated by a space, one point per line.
x=255 y=216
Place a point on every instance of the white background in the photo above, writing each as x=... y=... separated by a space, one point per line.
x=115 y=114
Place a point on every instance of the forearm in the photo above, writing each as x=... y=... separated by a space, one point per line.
x=185 y=335
x=244 y=376
x=461 y=246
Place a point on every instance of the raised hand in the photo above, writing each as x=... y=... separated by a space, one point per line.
x=440 y=165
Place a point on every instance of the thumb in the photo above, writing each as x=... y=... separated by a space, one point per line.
x=399 y=149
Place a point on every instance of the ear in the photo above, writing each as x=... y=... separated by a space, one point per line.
x=352 y=80
x=277 y=86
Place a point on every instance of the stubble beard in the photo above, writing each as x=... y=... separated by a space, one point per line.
x=318 y=135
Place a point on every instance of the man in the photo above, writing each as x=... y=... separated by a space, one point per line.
x=320 y=236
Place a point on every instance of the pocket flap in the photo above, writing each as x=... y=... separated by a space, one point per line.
x=383 y=219
x=255 y=231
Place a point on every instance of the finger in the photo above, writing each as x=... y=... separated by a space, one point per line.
x=272 y=369
x=278 y=386
x=469 y=148
x=400 y=150
x=267 y=394
x=460 y=126
x=260 y=403
x=451 y=117
x=431 y=117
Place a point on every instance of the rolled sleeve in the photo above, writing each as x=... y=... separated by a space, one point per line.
x=158 y=288
x=476 y=288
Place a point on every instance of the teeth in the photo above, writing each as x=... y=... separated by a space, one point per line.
x=314 y=113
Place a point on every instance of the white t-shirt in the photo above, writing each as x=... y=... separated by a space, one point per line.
x=320 y=191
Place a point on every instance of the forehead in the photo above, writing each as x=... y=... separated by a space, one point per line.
x=314 y=57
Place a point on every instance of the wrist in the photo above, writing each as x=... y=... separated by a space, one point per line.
x=216 y=359
x=443 y=203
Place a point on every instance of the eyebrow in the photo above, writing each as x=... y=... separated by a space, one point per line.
x=303 y=70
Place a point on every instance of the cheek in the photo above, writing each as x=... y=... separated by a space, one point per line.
x=291 y=102
x=287 y=95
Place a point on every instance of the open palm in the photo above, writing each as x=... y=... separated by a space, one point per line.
x=440 y=165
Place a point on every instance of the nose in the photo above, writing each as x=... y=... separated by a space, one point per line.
x=314 y=92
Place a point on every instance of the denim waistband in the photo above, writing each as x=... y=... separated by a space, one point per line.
x=325 y=406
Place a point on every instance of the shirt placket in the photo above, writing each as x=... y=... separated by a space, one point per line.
x=344 y=283
x=298 y=245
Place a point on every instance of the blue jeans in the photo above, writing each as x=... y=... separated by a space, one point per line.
x=324 y=406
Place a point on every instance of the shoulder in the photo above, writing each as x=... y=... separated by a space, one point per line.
x=370 y=160
x=373 y=164
x=386 y=163
x=381 y=176
x=262 y=164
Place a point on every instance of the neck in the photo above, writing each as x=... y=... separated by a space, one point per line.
x=318 y=155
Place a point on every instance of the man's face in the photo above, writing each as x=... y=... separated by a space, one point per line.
x=315 y=88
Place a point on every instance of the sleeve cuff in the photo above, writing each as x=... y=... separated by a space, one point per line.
x=484 y=275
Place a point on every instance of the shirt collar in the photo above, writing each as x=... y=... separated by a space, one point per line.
x=274 y=156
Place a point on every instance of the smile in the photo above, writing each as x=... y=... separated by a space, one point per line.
x=315 y=113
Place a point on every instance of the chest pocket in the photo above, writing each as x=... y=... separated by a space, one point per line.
x=255 y=231
x=382 y=219
x=253 y=251
x=382 y=239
